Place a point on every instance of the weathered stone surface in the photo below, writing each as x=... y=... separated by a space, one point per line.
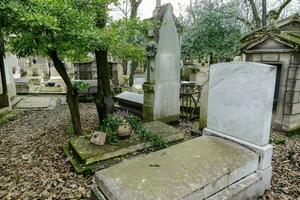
x=203 y=107
x=98 y=138
x=162 y=103
x=89 y=153
x=131 y=97
x=194 y=169
x=241 y=99
x=37 y=102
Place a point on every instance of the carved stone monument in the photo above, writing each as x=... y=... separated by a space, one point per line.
x=161 y=91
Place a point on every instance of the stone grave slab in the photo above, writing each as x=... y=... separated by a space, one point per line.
x=131 y=102
x=37 y=102
x=195 y=169
x=130 y=97
x=89 y=153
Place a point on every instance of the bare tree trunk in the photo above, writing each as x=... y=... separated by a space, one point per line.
x=264 y=12
x=2 y=67
x=103 y=84
x=124 y=66
x=133 y=67
x=72 y=93
x=134 y=8
x=280 y=9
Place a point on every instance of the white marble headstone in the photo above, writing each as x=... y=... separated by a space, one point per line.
x=240 y=100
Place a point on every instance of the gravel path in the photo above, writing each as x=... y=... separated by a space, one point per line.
x=33 y=165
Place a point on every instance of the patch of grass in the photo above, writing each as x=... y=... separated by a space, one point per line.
x=10 y=116
x=70 y=130
x=50 y=89
x=278 y=141
x=293 y=132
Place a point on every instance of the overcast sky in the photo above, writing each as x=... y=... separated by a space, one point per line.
x=147 y=7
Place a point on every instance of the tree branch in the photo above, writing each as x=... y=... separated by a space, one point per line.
x=280 y=9
x=256 y=17
x=246 y=22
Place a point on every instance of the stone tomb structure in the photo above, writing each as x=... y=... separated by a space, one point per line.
x=130 y=102
x=7 y=85
x=231 y=161
x=161 y=91
x=278 y=45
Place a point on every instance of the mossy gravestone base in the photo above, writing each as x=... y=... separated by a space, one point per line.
x=86 y=157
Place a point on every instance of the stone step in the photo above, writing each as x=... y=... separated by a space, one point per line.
x=195 y=169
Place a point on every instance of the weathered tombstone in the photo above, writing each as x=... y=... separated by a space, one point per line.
x=203 y=106
x=23 y=85
x=201 y=78
x=161 y=92
x=17 y=73
x=55 y=77
x=240 y=103
x=231 y=161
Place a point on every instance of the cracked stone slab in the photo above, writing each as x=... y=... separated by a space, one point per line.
x=195 y=169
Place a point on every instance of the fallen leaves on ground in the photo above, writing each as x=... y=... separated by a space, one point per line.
x=33 y=165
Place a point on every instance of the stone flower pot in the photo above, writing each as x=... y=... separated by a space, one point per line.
x=124 y=131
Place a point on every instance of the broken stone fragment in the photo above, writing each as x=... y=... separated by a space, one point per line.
x=98 y=138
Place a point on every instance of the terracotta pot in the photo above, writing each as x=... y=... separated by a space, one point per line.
x=124 y=131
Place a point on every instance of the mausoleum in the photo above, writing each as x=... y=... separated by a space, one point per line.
x=279 y=45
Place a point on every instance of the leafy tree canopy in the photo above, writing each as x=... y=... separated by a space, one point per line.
x=214 y=33
x=69 y=27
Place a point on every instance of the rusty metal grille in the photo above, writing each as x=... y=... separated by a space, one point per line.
x=189 y=101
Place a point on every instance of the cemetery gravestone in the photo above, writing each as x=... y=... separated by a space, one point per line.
x=161 y=92
x=226 y=165
x=248 y=101
x=203 y=106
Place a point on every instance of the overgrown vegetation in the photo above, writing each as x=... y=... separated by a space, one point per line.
x=293 y=132
x=70 y=130
x=7 y=117
x=111 y=123
x=213 y=34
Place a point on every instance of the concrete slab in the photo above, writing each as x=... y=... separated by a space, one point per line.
x=195 y=169
x=37 y=102
x=90 y=153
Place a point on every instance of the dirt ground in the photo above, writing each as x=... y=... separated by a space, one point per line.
x=33 y=165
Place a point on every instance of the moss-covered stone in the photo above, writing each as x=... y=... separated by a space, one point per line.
x=84 y=156
x=294 y=132
x=7 y=117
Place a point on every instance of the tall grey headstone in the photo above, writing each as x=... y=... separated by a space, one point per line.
x=161 y=93
x=240 y=101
